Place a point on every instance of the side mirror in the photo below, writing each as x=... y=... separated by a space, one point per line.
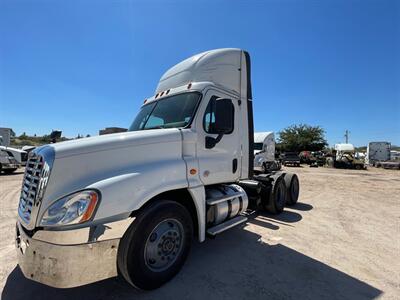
x=224 y=116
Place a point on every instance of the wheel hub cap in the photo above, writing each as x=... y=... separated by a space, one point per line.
x=163 y=245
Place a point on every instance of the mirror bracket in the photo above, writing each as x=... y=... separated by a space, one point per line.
x=211 y=141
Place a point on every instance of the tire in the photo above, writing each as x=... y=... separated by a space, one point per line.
x=156 y=245
x=358 y=167
x=277 y=198
x=292 y=188
x=9 y=171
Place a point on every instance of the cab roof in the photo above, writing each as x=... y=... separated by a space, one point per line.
x=259 y=137
x=221 y=67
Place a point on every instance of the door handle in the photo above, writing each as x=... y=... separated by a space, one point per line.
x=234 y=165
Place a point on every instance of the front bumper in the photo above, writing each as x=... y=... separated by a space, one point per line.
x=66 y=266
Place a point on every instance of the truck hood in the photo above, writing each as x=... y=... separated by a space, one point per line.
x=114 y=141
x=83 y=163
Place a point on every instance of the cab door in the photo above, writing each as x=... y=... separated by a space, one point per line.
x=220 y=162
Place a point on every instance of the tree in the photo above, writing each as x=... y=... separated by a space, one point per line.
x=302 y=137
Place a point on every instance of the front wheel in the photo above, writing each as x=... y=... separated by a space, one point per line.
x=156 y=245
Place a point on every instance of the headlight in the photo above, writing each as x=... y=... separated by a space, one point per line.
x=73 y=209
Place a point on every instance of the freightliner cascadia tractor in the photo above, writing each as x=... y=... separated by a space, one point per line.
x=131 y=203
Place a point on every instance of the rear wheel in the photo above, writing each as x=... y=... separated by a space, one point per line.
x=156 y=245
x=277 y=198
x=292 y=188
x=9 y=171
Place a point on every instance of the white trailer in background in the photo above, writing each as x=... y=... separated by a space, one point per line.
x=377 y=152
x=5 y=136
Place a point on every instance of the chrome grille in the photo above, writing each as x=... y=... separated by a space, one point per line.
x=37 y=174
x=30 y=186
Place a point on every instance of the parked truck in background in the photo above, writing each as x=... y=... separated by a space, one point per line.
x=19 y=155
x=184 y=170
x=264 y=152
x=290 y=159
x=345 y=157
x=8 y=164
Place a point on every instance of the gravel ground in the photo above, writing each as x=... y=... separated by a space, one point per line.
x=341 y=241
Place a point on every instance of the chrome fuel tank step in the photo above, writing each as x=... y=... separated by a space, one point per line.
x=213 y=231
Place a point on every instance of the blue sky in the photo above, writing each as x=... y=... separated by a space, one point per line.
x=80 y=66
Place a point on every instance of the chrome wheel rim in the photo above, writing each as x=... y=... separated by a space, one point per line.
x=164 y=245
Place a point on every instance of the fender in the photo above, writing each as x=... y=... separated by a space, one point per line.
x=130 y=186
x=129 y=192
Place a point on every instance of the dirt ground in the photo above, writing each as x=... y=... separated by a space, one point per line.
x=341 y=241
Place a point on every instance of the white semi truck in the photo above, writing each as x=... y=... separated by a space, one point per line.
x=184 y=170
x=8 y=163
x=264 y=152
x=19 y=155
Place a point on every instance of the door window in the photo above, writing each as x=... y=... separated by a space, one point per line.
x=209 y=116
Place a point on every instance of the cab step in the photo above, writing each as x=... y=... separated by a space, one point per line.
x=213 y=231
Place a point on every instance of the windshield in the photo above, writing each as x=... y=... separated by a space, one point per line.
x=258 y=146
x=172 y=112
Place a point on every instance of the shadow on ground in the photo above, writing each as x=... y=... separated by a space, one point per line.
x=302 y=206
x=235 y=265
x=12 y=174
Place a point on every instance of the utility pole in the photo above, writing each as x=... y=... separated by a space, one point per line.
x=346 y=135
